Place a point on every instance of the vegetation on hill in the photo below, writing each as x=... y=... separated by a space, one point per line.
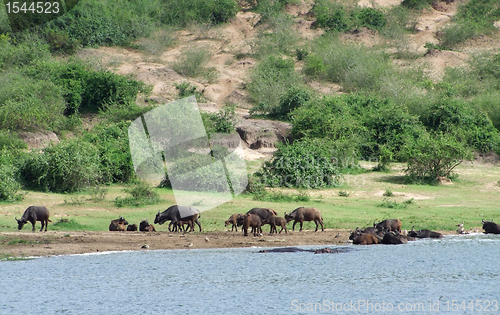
x=389 y=113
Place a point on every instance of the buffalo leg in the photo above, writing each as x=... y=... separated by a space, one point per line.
x=33 y=224
x=199 y=225
x=43 y=224
x=293 y=226
x=301 y=226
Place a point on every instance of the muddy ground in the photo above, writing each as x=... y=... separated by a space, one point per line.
x=27 y=244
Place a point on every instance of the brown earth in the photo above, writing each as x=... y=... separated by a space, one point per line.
x=67 y=243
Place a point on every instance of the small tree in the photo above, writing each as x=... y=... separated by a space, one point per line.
x=435 y=156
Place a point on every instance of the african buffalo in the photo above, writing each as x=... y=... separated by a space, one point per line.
x=144 y=226
x=388 y=225
x=118 y=224
x=424 y=233
x=132 y=227
x=233 y=219
x=33 y=214
x=253 y=221
x=275 y=221
x=394 y=238
x=372 y=230
x=490 y=227
x=359 y=238
x=305 y=214
x=176 y=213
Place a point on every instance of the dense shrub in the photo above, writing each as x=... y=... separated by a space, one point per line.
x=182 y=13
x=416 y=4
x=111 y=140
x=27 y=103
x=139 y=195
x=353 y=66
x=87 y=90
x=334 y=16
x=66 y=167
x=10 y=141
x=28 y=49
x=270 y=79
x=435 y=156
x=308 y=163
x=464 y=121
x=10 y=186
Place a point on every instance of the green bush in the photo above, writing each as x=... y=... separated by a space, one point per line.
x=331 y=16
x=66 y=167
x=9 y=140
x=270 y=79
x=223 y=121
x=29 y=48
x=430 y=157
x=182 y=13
x=463 y=121
x=370 y=18
x=279 y=37
x=192 y=63
x=10 y=186
x=27 y=103
x=416 y=4
x=304 y=164
x=140 y=195
x=111 y=140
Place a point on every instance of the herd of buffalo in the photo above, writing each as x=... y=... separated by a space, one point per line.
x=184 y=219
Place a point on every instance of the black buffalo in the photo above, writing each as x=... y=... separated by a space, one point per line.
x=491 y=227
x=33 y=214
x=388 y=225
x=144 y=226
x=424 y=233
x=394 y=238
x=119 y=224
x=305 y=214
x=359 y=238
x=179 y=213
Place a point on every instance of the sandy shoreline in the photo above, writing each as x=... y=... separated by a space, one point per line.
x=35 y=244
x=28 y=244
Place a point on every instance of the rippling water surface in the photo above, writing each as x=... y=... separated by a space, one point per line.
x=422 y=277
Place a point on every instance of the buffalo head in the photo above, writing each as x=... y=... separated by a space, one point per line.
x=20 y=223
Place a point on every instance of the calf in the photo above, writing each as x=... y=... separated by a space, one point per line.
x=33 y=214
x=132 y=227
x=144 y=226
x=233 y=219
x=424 y=233
x=359 y=238
x=253 y=221
x=275 y=221
x=118 y=224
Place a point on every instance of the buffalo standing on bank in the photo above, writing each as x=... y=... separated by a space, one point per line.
x=179 y=213
x=305 y=214
x=33 y=214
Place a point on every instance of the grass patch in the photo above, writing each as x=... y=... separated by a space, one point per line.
x=140 y=195
x=68 y=225
x=7 y=257
x=192 y=63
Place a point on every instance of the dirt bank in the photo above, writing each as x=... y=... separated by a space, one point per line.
x=27 y=244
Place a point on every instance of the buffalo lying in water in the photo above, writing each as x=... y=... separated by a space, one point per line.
x=490 y=227
x=424 y=233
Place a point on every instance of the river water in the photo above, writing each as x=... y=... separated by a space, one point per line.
x=454 y=275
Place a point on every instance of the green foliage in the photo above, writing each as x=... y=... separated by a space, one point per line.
x=392 y=204
x=87 y=90
x=270 y=79
x=224 y=120
x=416 y=4
x=140 y=195
x=97 y=193
x=388 y=193
x=473 y=18
x=279 y=196
x=430 y=157
x=182 y=13
x=28 y=49
x=10 y=185
x=185 y=89
x=9 y=140
x=463 y=121
x=192 y=63
x=279 y=36
x=333 y=16
x=111 y=141
x=304 y=164
x=353 y=66
x=68 y=225
x=66 y=167
x=343 y=193
x=27 y=103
